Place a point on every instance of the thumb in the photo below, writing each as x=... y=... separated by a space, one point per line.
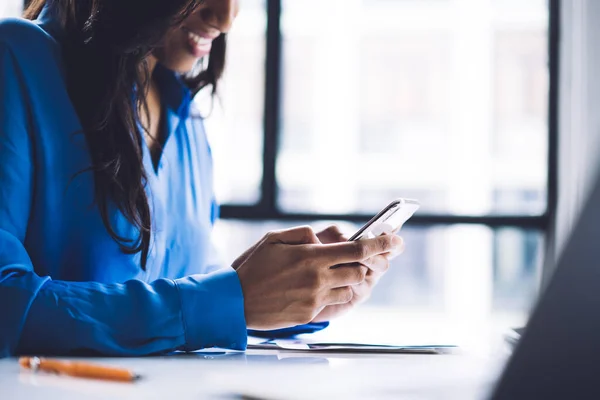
x=332 y=234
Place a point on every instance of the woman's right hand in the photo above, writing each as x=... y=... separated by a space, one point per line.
x=287 y=277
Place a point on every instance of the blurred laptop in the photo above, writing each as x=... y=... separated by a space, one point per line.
x=513 y=335
x=557 y=356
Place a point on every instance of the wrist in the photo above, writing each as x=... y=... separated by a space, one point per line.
x=212 y=308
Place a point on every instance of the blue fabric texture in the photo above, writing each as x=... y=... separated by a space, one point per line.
x=65 y=287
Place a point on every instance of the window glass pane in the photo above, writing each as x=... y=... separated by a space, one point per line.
x=444 y=101
x=235 y=119
x=470 y=272
x=11 y=8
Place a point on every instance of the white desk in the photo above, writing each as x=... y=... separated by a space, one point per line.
x=276 y=375
x=269 y=375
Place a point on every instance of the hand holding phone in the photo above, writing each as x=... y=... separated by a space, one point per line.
x=389 y=220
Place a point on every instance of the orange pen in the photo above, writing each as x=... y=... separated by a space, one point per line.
x=78 y=369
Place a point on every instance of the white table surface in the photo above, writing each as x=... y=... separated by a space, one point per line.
x=276 y=375
x=268 y=375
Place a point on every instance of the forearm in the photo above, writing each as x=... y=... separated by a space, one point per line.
x=129 y=319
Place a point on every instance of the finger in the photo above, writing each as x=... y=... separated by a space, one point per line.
x=378 y=264
x=332 y=234
x=357 y=251
x=346 y=276
x=398 y=250
x=363 y=291
x=341 y=295
x=294 y=236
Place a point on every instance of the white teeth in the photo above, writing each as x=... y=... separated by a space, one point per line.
x=199 y=40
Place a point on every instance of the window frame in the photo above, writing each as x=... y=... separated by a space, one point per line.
x=267 y=207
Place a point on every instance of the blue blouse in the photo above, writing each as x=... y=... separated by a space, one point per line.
x=65 y=287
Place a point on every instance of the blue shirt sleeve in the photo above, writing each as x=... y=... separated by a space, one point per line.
x=44 y=316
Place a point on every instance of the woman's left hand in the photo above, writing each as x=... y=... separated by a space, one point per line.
x=376 y=267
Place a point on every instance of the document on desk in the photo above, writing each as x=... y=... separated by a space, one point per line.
x=372 y=332
x=307 y=345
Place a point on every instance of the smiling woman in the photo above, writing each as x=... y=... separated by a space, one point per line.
x=195 y=38
x=107 y=202
x=114 y=46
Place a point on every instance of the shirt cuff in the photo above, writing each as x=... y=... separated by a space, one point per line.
x=213 y=311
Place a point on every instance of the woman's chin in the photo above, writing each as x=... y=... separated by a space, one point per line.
x=185 y=69
x=182 y=66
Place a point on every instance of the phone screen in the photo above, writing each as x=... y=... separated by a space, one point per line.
x=389 y=220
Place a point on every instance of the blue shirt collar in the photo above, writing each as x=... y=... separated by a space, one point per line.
x=174 y=93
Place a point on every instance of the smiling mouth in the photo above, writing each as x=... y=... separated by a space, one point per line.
x=197 y=44
x=199 y=40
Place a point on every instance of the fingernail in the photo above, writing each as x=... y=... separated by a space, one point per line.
x=397 y=242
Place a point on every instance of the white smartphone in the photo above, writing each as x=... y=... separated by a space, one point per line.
x=388 y=220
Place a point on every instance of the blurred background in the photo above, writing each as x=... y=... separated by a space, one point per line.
x=445 y=101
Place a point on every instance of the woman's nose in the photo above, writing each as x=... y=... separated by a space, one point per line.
x=220 y=14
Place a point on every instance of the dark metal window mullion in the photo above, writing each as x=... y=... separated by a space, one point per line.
x=251 y=213
x=553 y=108
x=553 y=137
x=272 y=117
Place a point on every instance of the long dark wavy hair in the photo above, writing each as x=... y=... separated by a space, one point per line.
x=105 y=47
